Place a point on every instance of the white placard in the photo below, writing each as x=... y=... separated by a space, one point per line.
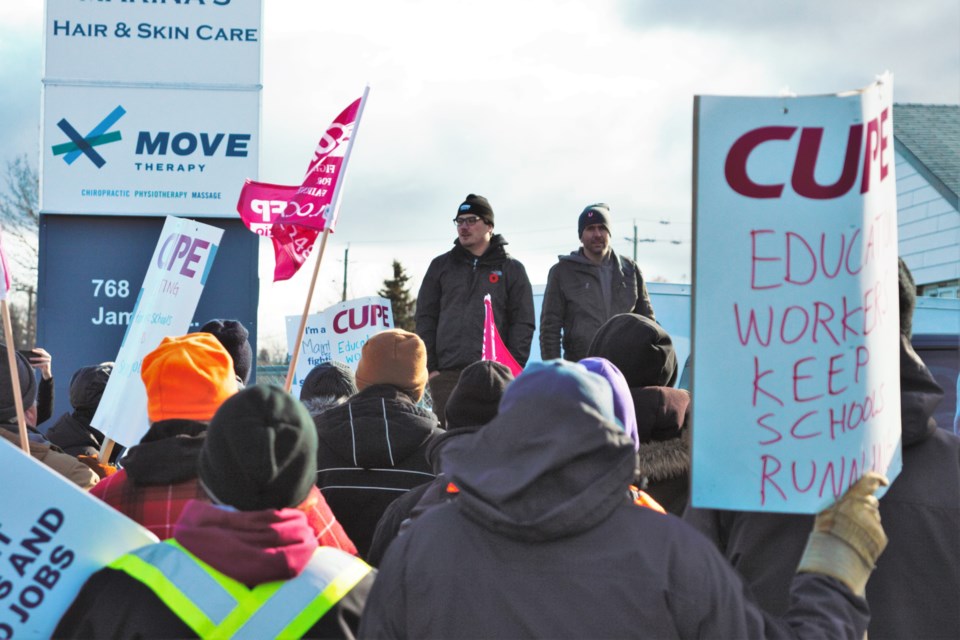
x=211 y=42
x=337 y=333
x=189 y=157
x=165 y=306
x=53 y=536
x=796 y=369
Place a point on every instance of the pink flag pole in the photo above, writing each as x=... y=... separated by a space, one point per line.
x=333 y=212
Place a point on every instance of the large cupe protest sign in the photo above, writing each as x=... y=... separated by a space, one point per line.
x=53 y=536
x=796 y=316
x=337 y=333
x=165 y=306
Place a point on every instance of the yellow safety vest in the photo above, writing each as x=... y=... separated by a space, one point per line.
x=217 y=606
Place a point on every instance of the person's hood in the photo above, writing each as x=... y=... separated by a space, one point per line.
x=495 y=253
x=86 y=389
x=552 y=463
x=439 y=441
x=252 y=547
x=167 y=454
x=640 y=348
x=377 y=428
x=578 y=258
x=919 y=396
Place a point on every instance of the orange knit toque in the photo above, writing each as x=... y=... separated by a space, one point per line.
x=187 y=377
x=394 y=357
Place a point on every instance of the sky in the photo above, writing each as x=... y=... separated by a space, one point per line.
x=542 y=106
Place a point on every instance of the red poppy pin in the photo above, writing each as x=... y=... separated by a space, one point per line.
x=494 y=277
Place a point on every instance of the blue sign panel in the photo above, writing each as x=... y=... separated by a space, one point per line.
x=91 y=268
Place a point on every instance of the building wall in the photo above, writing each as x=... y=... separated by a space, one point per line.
x=929 y=230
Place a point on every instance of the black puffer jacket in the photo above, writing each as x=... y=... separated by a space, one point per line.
x=450 y=309
x=913 y=591
x=372 y=450
x=543 y=541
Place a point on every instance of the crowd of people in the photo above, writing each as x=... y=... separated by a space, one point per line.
x=551 y=504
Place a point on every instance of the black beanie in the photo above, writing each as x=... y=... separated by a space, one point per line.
x=478 y=206
x=329 y=379
x=476 y=398
x=639 y=347
x=234 y=338
x=260 y=451
x=87 y=385
x=594 y=214
x=908 y=298
x=28 y=385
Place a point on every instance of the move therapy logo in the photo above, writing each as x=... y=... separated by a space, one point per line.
x=79 y=145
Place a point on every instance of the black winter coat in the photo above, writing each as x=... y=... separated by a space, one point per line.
x=371 y=450
x=450 y=308
x=913 y=591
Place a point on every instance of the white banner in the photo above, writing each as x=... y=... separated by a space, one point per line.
x=213 y=42
x=796 y=367
x=53 y=536
x=113 y=151
x=337 y=333
x=165 y=306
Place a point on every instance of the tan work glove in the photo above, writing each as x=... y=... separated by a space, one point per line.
x=847 y=538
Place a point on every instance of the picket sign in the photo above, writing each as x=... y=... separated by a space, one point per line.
x=165 y=306
x=336 y=333
x=53 y=536
x=795 y=310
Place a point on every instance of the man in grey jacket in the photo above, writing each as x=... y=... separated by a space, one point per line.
x=587 y=288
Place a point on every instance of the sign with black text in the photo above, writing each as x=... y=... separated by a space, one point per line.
x=337 y=333
x=53 y=536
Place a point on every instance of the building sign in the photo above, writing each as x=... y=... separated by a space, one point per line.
x=119 y=41
x=113 y=151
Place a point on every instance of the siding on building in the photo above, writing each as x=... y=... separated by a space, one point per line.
x=927 y=212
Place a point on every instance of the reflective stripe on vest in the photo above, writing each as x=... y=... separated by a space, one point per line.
x=217 y=606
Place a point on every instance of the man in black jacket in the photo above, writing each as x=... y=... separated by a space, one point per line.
x=587 y=288
x=450 y=309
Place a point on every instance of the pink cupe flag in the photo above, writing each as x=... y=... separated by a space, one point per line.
x=493 y=347
x=259 y=206
x=293 y=216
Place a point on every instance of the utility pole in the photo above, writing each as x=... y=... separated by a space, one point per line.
x=634 y=240
x=346 y=254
